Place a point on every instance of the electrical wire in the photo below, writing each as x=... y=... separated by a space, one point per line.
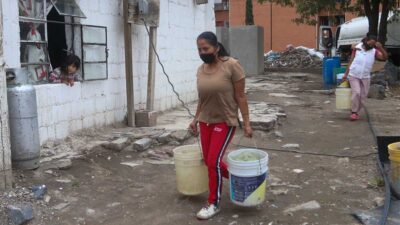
x=165 y=73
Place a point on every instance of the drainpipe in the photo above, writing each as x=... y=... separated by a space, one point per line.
x=129 y=66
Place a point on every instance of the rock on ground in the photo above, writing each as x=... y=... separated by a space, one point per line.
x=142 y=144
x=181 y=135
x=62 y=164
x=20 y=214
x=164 y=138
x=377 y=91
x=312 y=205
x=295 y=146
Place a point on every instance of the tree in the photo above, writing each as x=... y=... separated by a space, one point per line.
x=307 y=11
x=249 y=12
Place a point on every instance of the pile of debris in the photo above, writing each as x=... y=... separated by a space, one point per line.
x=383 y=80
x=21 y=205
x=299 y=57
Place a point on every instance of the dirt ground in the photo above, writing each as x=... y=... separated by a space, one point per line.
x=102 y=191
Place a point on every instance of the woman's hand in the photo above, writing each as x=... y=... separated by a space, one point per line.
x=193 y=127
x=248 y=131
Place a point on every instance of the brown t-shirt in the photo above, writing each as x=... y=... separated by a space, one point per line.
x=216 y=92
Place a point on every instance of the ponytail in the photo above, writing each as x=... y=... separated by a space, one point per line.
x=222 y=51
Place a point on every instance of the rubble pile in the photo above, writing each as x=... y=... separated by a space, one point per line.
x=299 y=57
x=383 y=80
x=21 y=205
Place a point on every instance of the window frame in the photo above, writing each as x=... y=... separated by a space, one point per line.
x=43 y=42
x=83 y=44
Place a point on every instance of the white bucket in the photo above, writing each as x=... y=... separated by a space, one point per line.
x=248 y=179
x=343 y=98
x=191 y=172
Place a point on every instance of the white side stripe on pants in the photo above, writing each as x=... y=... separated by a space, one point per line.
x=219 y=177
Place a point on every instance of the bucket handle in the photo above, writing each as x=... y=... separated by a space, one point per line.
x=256 y=147
x=198 y=142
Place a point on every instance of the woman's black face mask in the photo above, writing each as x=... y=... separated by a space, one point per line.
x=208 y=58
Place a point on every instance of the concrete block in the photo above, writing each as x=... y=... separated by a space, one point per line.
x=43 y=136
x=75 y=125
x=181 y=135
x=146 y=118
x=62 y=130
x=164 y=138
x=51 y=132
x=117 y=145
x=142 y=144
x=110 y=118
x=100 y=119
x=20 y=214
x=88 y=122
x=247 y=44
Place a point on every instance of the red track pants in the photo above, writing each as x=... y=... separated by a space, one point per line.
x=215 y=139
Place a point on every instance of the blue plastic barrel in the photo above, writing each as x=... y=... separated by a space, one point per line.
x=329 y=64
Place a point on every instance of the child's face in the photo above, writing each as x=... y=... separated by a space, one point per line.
x=72 y=69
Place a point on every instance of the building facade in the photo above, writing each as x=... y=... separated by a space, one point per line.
x=100 y=98
x=279 y=28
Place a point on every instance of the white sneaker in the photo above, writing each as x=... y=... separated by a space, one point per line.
x=207 y=212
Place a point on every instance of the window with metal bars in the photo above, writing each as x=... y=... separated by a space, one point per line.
x=48 y=33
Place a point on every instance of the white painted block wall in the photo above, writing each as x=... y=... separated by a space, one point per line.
x=63 y=110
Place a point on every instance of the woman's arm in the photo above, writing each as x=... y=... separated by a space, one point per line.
x=193 y=124
x=241 y=100
x=381 y=54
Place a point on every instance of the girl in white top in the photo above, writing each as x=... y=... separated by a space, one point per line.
x=359 y=71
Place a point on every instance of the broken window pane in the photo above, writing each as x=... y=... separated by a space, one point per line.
x=95 y=35
x=31 y=8
x=32 y=31
x=68 y=8
x=94 y=53
x=95 y=71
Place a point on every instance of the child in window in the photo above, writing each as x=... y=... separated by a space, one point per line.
x=67 y=72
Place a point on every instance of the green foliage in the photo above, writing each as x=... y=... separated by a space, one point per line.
x=249 y=12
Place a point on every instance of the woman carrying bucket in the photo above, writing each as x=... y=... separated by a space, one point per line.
x=220 y=85
x=359 y=71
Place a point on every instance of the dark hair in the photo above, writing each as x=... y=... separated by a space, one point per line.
x=212 y=39
x=371 y=37
x=71 y=60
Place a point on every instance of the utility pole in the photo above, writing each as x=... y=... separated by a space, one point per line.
x=5 y=150
x=129 y=66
